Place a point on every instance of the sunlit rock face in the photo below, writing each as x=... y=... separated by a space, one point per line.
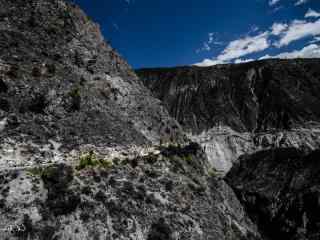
x=224 y=146
x=235 y=109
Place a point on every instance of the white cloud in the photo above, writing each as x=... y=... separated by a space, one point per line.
x=300 y=2
x=213 y=40
x=279 y=35
x=298 y=30
x=239 y=48
x=208 y=62
x=278 y=28
x=206 y=46
x=312 y=13
x=244 y=46
x=239 y=60
x=277 y=9
x=315 y=40
x=254 y=29
x=310 y=51
x=273 y=2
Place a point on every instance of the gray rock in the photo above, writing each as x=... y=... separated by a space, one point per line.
x=171 y=195
x=235 y=109
x=59 y=80
x=68 y=102
x=280 y=189
x=256 y=96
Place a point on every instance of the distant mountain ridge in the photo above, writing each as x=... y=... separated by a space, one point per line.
x=235 y=109
x=255 y=96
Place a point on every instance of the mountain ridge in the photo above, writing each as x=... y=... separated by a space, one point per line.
x=235 y=109
x=224 y=73
x=60 y=81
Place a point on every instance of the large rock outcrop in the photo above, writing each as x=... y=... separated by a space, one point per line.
x=62 y=86
x=167 y=195
x=280 y=189
x=234 y=109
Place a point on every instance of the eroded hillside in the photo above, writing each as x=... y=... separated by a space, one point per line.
x=234 y=109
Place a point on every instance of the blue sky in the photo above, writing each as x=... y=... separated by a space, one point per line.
x=161 y=33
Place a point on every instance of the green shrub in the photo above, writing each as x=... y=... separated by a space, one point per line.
x=188 y=158
x=75 y=92
x=90 y=160
x=36 y=171
x=87 y=160
x=213 y=172
x=106 y=163
x=44 y=171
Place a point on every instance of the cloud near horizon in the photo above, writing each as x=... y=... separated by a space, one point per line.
x=278 y=35
x=310 y=51
x=312 y=14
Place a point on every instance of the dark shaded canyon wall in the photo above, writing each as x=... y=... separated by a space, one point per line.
x=255 y=96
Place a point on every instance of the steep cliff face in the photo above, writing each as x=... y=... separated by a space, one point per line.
x=242 y=108
x=62 y=86
x=75 y=129
x=257 y=96
x=280 y=190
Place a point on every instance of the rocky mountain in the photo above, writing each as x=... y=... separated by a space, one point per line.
x=280 y=189
x=62 y=86
x=79 y=142
x=250 y=97
x=235 y=109
x=87 y=151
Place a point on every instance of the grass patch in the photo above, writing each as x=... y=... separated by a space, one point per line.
x=90 y=160
x=188 y=158
x=40 y=171
x=212 y=172
x=37 y=171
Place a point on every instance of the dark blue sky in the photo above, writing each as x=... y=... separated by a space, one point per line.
x=154 y=33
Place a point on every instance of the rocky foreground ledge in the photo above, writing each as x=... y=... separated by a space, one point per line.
x=173 y=194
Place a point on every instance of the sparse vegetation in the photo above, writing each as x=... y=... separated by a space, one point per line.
x=188 y=158
x=213 y=172
x=43 y=171
x=36 y=171
x=90 y=159
x=75 y=92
